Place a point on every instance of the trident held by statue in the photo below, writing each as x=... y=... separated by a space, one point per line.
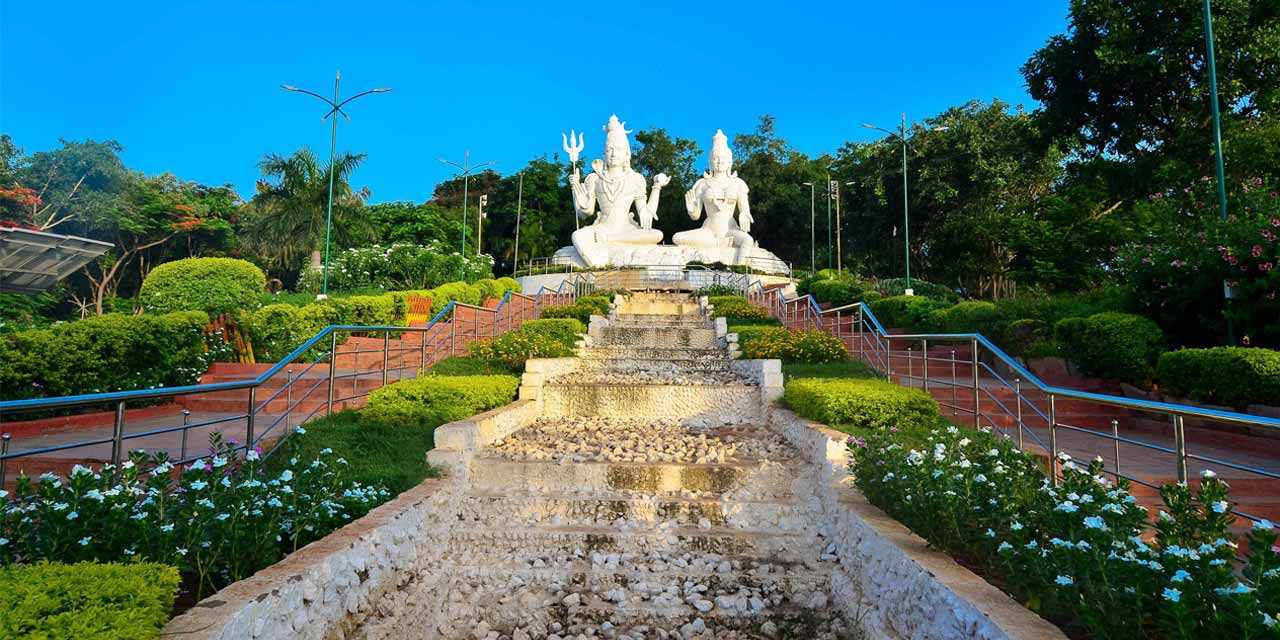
x=573 y=145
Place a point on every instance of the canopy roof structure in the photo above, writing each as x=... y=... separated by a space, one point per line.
x=32 y=261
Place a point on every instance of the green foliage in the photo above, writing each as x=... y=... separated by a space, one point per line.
x=898 y=287
x=1028 y=337
x=22 y=311
x=401 y=266
x=104 y=353
x=1117 y=346
x=837 y=293
x=736 y=309
x=468 y=366
x=1079 y=552
x=971 y=316
x=276 y=330
x=460 y=292
x=435 y=400
x=545 y=338
x=1231 y=376
x=366 y=310
x=906 y=312
x=581 y=310
x=381 y=453
x=843 y=369
x=212 y=285
x=803 y=347
x=86 y=600
x=716 y=290
x=220 y=520
x=860 y=404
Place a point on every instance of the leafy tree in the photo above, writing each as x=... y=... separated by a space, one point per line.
x=287 y=214
x=422 y=224
x=70 y=183
x=657 y=152
x=546 y=213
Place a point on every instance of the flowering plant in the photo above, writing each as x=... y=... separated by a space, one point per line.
x=220 y=519
x=1077 y=552
x=400 y=266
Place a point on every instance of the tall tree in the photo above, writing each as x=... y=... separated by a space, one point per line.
x=288 y=212
x=72 y=182
x=658 y=152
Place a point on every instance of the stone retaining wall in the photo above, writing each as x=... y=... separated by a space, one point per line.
x=889 y=576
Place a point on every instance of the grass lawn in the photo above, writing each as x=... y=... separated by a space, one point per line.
x=377 y=453
x=460 y=366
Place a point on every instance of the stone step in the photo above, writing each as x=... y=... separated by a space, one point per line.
x=742 y=481
x=717 y=362
x=657 y=337
x=596 y=352
x=724 y=404
x=625 y=513
x=483 y=545
x=692 y=321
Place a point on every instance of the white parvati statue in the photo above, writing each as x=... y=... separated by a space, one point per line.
x=615 y=188
x=719 y=191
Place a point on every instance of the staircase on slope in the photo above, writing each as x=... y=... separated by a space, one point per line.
x=647 y=502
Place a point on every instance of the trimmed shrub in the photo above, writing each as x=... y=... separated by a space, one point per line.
x=971 y=316
x=365 y=310
x=112 y=352
x=837 y=293
x=435 y=400
x=861 y=404
x=277 y=329
x=871 y=296
x=86 y=600
x=898 y=287
x=400 y=266
x=468 y=366
x=212 y=285
x=546 y=338
x=801 y=347
x=1231 y=376
x=905 y=312
x=736 y=308
x=462 y=292
x=581 y=310
x=1118 y=346
x=1027 y=337
x=509 y=284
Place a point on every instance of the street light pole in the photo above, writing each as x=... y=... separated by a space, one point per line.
x=829 y=183
x=813 y=234
x=839 y=262
x=484 y=199
x=1217 y=142
x=335 y=108
x=901 y=133
x=465 y=170
x=519 y=202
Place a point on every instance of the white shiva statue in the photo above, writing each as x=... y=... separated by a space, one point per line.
x=614 y=188
x=720 y=191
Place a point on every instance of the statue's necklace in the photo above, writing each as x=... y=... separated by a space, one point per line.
x=613 y=186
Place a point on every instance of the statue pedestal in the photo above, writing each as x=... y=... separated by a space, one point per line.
x=636 y=255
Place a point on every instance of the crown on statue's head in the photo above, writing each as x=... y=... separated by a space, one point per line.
x=720 y=142
x=616 y=133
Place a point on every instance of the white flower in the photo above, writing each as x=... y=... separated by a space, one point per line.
x=1268 y=620
x=1004 y=546
x=127 y=464
x=223 y=516
x=4 y=494
x=990 y=533
x=1180 y=576
x=326 y=451
x=1208 y=473
x=1064 y=580
x=77 y=470
x=166 y=528
x=286 y=475
x=4 y=541
x=84 y=542
x=1221 y=506
x=1095 y=522
x=300 y=431
x=1172 y=595
x=73 y=515
x=219 y=462
x=182 y=551
x=199 y=485
x=1263 y=524
x=251 y=455
x=1017 y=526
x=1067 y=507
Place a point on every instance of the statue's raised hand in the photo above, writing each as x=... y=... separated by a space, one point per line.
x=661 y=180
x=691 y=203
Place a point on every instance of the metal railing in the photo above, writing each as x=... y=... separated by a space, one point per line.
x=294 y=390
x=975 y=378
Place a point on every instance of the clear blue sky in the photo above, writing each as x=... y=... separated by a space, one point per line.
x=192 y=87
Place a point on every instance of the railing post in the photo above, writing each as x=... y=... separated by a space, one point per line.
x=1180 y=444
x=862 y=336
x=976 y=399
x=386 y=355
x=924 y=350
x=4 y=451
x=1053 y=440
x=422 y=345
x=1017 y=392
x=248 y=421
x=288 y=399
x=117 y=435
x=1115 y=437
x=888 y=358
x=911 y=372
x=453 y=332
x=186 y=420
x=955 y=405
x=333 y=370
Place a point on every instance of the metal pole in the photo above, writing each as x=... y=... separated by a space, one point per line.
x=422 y=345
x=117 y=435
x=248 y=421
x=328 y=216
x=1180 y=444
x=519 y=202
x=924 y=350
x=386 y=355
x=976 y=408
x=466 y=177
x=1213 y=102
x=4 y=451
x=911 y=376
x=1017 y=391
x=1115 y=437
x=828 y=220
x=453 y=332
x=186 y=419
x=1053 y=440
x=288 y=399
x=333 y=368
x=839 y=262
x=888 y=358
x=906 y=219
x=813 y=234
x=955 y=403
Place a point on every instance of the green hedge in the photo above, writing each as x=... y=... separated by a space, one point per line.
x=736 y=308
x=860 y=404
x=545 y=338
x=86 y=600
x=112 y=352
x=1231 y=376
x=1028 y=337
x=837 y=293
x=898 y=286
x=906 y=312
x=800 y=347
x=277 y=329
x=212 y=285
x=435 y=400
x=367 y=310
x=581 y=310
x=971 y=316
x=1118 y=346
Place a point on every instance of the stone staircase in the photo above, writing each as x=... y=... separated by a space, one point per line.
x=647 y=501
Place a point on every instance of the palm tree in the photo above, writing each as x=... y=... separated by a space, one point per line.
x=288 y=211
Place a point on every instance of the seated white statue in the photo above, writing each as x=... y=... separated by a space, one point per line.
x=615 y=188
x=720 y=192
